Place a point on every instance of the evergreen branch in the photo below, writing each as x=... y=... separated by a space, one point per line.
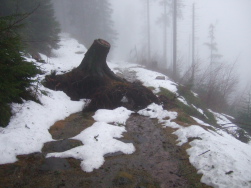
x=17 y=21
x=222 y=128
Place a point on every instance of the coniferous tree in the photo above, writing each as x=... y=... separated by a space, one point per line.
x=193 y=46
x=15 y=72
x=212 y=46
x=40 y=31
x=219 y=80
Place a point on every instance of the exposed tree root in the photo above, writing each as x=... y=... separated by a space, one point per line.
x=94 y=80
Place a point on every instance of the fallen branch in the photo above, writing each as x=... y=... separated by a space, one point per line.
x=222 y=128
x=204 y=152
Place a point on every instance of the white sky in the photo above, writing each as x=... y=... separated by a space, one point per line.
x=231 y=17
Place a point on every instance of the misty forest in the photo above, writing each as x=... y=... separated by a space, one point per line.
x=125 y=93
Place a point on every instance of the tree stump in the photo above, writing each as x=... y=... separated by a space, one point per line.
x=93 y=79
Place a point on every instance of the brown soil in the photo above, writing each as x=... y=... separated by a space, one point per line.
x=157 y=162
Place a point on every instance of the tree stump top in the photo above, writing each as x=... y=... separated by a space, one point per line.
x=103 y=43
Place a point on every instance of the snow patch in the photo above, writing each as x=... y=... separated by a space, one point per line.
x=165 y=117
x=28 y=128
x=198 y=109
x=183 y=100
x=147 y=77
x=223 y=160
x=100 y=139
x=225 y=123
x=119 y=115
x=66 y=57
x=200 y=121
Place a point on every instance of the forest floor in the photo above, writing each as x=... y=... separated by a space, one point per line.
x=160 y=158
x=157 y=161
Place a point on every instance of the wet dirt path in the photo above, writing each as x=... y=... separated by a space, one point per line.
x=157 y=162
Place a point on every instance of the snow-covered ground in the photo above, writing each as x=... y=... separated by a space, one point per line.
x=99 y=139
x=223 y=160
x=28 y=128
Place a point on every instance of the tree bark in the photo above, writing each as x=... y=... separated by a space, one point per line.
x=92 y=73
x=94 y=63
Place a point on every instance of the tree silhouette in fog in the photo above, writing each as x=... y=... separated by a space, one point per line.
x=86 y=20
x=40 y=29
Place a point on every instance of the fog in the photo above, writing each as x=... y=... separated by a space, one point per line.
x=232 y=31
x=88 y=20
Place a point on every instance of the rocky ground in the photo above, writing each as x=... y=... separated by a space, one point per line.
x=157 y=162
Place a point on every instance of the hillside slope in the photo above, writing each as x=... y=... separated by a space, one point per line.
x=211 y=141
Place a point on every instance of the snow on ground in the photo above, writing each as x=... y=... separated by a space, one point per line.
x=227 y=161
x=100 y=139
x=198 y=109
x=67 y=57
x=118 y=115
x=200 y=122
x=183 y=100
x=148 y=78
x=121 y=65
x=165 y=117
x=225 y=123
x=116 y=67
x=223 y=160
x=28 y=128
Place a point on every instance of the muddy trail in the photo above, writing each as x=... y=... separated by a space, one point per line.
x=156 y=163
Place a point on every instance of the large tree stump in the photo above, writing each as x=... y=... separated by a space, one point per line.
x=94 y=62
x=93 y=79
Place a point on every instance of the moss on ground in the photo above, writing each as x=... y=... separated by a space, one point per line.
x=190 y=110
x=186 y=169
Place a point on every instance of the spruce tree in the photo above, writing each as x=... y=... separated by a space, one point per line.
x=212 y=46
x=41 y=31
x=15 y=72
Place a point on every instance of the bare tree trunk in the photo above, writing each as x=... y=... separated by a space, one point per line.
x=148 y=33
x=193 y=47
x=175 y=39
x=165 y=35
